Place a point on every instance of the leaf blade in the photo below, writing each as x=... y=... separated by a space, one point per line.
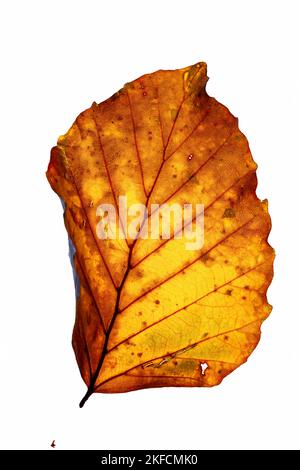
x=150 y=312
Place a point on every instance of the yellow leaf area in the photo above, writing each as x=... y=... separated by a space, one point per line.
x=151 y=313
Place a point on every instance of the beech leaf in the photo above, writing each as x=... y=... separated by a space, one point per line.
x=149 y=311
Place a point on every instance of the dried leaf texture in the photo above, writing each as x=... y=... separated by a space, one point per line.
x=150 y=313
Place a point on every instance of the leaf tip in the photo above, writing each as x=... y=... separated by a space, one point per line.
x=195 y=78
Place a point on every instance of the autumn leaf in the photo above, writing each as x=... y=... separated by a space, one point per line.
x=150 y=312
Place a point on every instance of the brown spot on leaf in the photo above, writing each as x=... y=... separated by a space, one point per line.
x=229 y=213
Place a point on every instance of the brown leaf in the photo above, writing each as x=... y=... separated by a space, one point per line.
x=151 y=312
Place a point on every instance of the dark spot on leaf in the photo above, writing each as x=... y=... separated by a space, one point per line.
x=229 y=213
x=173 y=114
x=207 y=259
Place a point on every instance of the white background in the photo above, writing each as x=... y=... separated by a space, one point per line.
x=57 y=57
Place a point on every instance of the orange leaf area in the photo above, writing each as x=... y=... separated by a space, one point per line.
x=149 y=312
